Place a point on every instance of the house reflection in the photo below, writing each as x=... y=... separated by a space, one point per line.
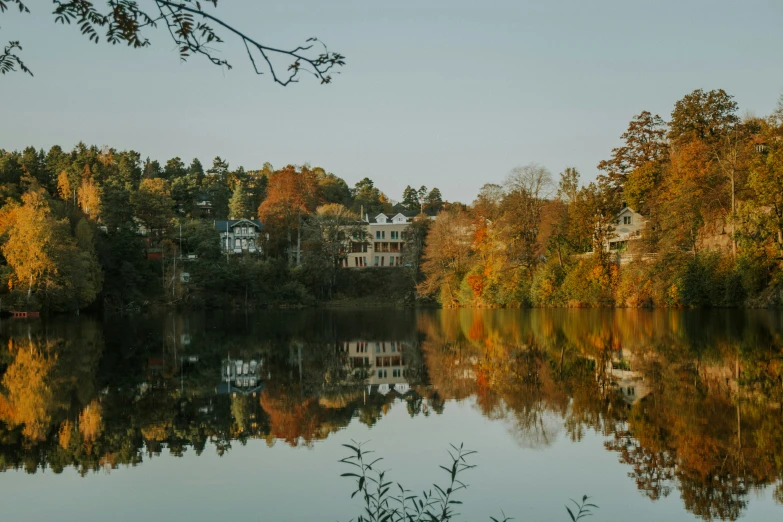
x=238 y=376
x=380 y=364
x=626 y=377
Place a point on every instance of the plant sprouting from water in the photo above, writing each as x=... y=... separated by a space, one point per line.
x=386 y=501
x=582 y=509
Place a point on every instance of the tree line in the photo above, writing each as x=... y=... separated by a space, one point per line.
x=708 y=183
x=75 y=226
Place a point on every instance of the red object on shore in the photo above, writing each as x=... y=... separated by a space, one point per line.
x=24 y=315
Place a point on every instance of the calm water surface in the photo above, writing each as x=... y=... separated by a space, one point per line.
x=658 y=415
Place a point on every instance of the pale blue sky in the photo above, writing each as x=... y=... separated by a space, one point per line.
x=443 y=93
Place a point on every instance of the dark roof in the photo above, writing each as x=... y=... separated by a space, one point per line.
x=399 y=208
x=222 y=224
x=224 y=389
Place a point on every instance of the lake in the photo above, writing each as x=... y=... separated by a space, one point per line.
x=656 y=415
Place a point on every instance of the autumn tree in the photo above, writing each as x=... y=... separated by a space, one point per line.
x=526 y=189
x=64 y=189
x=292 y=194
x=644 y=142
x=31 y=241
x=447 y=256
x=765 y=209
x=703 y=116
x=89 y=198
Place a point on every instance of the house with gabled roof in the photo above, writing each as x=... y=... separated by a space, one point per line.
x=628 y=227
x=382 y=243
x=240 y=235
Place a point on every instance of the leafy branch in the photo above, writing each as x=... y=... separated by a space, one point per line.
x=190 y=26
x=9 y=60
x=582 y=509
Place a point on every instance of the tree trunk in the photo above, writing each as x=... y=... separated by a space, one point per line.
x=299 y=242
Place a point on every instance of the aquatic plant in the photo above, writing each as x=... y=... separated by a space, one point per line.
x=386 y=501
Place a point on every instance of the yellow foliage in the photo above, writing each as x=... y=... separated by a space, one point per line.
x=29 y=394
x=64 y=186
x=91 y=421
x=65 y=434
x=89 y=196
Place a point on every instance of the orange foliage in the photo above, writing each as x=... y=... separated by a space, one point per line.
x=292 y=418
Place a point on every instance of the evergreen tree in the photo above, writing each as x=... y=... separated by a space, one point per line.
x=434 y=201
x=240 y=205
x=410 y=198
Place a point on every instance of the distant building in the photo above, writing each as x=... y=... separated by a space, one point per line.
x=383 y=241
x=203 y=207
x=628 y=227
x=240 y=235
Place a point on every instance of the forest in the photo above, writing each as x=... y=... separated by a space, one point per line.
x=103 y=229
x=78 y=229
x=708 y=184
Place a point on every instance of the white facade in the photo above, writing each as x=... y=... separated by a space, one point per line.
x=240 y=235
x=628 y=227
x=382 y=245
x=381 y=363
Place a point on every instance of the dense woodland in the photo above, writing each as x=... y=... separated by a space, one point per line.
x=709 y=183
x=76 y=227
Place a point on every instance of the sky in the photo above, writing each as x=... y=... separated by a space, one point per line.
x=446 y=93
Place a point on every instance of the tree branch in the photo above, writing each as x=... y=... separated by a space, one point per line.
x=188 y=25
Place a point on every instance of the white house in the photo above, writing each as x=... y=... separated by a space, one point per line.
x=383 y=241
x=240 y=235
x=628 y=227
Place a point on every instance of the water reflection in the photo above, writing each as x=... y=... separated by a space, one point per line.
x=689 y=401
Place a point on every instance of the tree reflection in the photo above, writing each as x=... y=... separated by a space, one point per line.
x=689 y=402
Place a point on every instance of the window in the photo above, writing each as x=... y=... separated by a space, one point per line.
x=383 y=234
x=376 y=260
x=377 y=234
x=382 y=257
x=626 y=220
x=364 y=263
